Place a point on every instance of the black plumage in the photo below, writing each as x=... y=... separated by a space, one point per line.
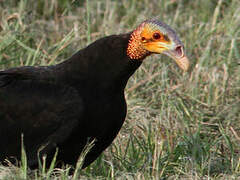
x=66 y=104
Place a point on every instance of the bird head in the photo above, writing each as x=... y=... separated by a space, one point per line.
x=153 y=36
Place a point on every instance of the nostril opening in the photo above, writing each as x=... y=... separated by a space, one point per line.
x=179 y=50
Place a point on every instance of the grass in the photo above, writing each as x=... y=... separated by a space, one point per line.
x=179 y=125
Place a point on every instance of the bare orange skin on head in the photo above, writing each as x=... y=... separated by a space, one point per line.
x=153 y=36
x=149 y=34
x=143 y=41
x=135 y=48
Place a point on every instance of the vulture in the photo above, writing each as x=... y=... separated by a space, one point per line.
x=64 y=106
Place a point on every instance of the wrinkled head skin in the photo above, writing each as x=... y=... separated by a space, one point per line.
x=153 y=36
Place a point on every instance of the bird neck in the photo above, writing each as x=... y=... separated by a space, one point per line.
x=103 y=64
x=135 y=49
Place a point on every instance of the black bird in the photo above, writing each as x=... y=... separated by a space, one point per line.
x=79 y=99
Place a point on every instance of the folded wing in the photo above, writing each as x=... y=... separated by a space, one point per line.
x=45 y=112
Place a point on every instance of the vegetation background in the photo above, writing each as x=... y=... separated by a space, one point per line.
x=179 y=125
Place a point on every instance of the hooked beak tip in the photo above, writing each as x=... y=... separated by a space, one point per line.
x=183 y=62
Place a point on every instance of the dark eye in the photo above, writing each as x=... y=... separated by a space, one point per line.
x=156 y=36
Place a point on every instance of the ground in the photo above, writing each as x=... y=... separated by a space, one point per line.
x=179 y=125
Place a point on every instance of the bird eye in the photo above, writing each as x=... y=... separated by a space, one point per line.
x=156 y=36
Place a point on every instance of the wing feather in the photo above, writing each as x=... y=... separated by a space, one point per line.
x=44 y=112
